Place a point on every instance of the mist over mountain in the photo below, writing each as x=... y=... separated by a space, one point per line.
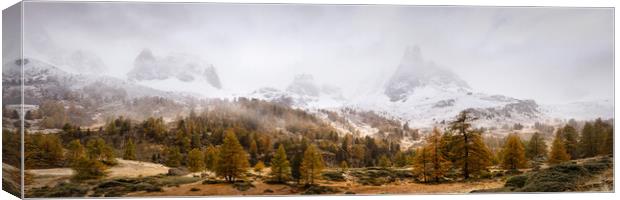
x=303 y=91
x=419 y=92
x=426 y=94
x=182 y=67
x=414 y=72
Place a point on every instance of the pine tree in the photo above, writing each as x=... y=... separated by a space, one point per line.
x=384 y=162
x=88 y=168
x=536 y=149
x=608 y=147
x=130 y=151
x=173 y=157
x=344 y=166
x=259 y=167
x=422 y=163
x=438 y=163
x=97 y=149
x=195 y=160
x=588 y=142
x=280 y=168
x=513 y=153
x=253 y=150
x=401 y=159
x=212 y=155
x=43 y=151
x=312 y=165
x=469 y=151
x=558 y=152
x=75 y=152
x=570 y=141
x=233 y=160
x=600 y=134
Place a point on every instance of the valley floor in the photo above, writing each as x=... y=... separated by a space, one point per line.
x=198 y=189
x=124 y=178
x=125 y=168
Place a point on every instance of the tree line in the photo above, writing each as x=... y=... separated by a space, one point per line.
x=228 y=147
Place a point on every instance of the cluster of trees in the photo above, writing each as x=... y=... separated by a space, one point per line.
x=47 y=151
x=92 y=161
x=231 y=137
x=459 y=147
x=230 y=161
x=596 y=138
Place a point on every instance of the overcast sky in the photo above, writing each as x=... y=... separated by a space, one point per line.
x=547 y=54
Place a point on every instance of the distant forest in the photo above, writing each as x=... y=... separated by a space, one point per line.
x=231 y=136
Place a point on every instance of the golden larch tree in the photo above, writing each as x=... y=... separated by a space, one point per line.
x=233 y=160
x=513 y=153
x=311 y=165
x=280 y=167
x=558 y=152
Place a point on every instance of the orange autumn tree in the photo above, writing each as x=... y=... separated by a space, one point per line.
x=558 y=152
x=513 y=153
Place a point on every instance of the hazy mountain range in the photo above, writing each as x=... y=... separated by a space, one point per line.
x=420 y=92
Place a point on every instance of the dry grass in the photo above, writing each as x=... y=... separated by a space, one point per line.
x=279 y=189
x=125 y=168
x=222 y=189
x=401 y=187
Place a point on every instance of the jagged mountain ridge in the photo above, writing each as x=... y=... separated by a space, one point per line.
x=182 y=67
x=303 y=92
x=426 y=94
x=414 y=72
x=421 y=100
x=96 y=95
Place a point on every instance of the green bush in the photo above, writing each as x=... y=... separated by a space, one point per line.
x=380 y=176
x=318 y=189
x=60 y=190
x=242 y=185
x=596 y=167
x=333 y=176
x=212 y=181
x=516 y=181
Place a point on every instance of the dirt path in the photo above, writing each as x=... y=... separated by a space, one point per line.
x=125 y=168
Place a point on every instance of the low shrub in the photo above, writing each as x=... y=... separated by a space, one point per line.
x=380 y=176
x=60 y=190
x=177 y=171
x=333 y=176
x=212 y=181
x=242 y=185
x=516 y=181
x=319 y=189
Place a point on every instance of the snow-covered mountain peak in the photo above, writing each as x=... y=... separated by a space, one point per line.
x=412 y=54
x=415 y=72
x=176 y=72
x=303 y=91
x=304 y=84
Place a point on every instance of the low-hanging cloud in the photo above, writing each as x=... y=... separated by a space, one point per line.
x=544 y=53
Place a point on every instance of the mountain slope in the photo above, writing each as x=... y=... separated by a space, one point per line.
x=304 y=92
x=87 y=97
x=426 y=94
x=176 y=72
